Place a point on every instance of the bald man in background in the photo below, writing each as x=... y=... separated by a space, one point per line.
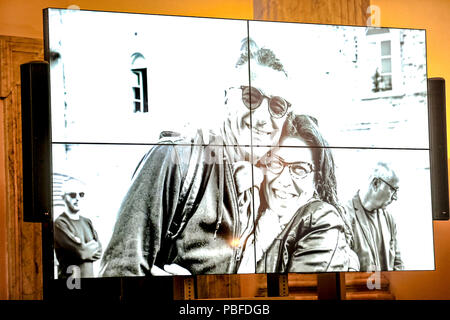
x=374 y=228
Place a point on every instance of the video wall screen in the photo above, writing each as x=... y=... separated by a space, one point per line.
x=186 y=145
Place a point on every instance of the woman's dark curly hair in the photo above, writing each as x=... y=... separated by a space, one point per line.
x=306 y=128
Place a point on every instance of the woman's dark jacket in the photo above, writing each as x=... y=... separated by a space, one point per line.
x=312 y=241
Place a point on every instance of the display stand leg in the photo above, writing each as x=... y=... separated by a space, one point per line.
x=184 y=288
x=277 y=285
x=331 y=286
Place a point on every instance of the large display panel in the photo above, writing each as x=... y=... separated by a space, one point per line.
x=184 y=145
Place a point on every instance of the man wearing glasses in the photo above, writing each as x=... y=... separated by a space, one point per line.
x=186 y=211
x=76 y=241
x=374 y=228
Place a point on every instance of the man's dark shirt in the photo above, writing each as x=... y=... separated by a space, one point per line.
x=71 y=237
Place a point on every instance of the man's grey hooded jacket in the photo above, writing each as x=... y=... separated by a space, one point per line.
x=181 y=208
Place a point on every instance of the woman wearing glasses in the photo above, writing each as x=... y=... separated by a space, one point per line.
x=299 y=227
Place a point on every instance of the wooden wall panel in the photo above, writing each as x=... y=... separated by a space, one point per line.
x=218 y=286
x=346 y=12
x=24 y=250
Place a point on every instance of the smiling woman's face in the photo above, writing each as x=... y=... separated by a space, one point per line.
x=284 y=192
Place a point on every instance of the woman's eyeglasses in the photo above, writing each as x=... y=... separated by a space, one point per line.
x=298 y=169
x=253 y=98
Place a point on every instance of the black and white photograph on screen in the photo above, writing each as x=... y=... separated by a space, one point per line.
x=341 y=209
x=300 y=225
x=366 y=86
x=387 y=197
x=213 y=146
x=120 y=77
x=89 y=182
x=77 y=245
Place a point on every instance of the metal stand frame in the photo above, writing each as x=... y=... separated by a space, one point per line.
x=277 y=285
x=330 y=286
x=184 y=288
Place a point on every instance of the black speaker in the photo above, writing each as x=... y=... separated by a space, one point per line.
x=438 y=148
x=36 y=144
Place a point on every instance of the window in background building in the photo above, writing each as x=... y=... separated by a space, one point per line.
x=139 y=83
x=380 y=52
x=384 y=79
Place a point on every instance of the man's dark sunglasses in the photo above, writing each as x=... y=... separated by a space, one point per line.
x=73 y=195
x=253 y=98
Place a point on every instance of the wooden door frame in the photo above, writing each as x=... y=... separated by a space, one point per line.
x=22 y=259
